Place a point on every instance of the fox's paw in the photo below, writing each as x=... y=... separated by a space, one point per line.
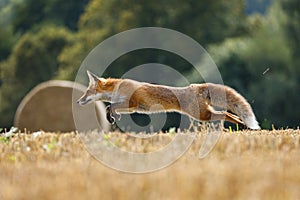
x=116 y=116
x=110 y=118
x=109 y=115
x=108 y=109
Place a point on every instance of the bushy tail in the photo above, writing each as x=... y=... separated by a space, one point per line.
x=226 y=97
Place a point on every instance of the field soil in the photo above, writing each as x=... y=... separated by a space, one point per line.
x=242 y=165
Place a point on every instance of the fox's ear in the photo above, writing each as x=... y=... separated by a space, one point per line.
x=94 y=78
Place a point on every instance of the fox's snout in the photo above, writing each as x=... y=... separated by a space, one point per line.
x=83 y=101
x=79 y=102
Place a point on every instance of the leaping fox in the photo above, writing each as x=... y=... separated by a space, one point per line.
x=195 y=100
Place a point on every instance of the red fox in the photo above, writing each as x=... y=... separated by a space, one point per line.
x=195 y=100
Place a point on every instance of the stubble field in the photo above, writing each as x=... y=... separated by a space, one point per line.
x=243 y=165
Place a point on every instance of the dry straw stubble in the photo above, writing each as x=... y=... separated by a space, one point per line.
x=243 y=165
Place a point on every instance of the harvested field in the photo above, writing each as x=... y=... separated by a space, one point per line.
x=243 y=165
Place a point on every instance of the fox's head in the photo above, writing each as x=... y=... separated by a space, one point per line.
x=98 y=89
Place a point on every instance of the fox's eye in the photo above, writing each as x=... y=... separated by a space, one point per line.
x=89 y=92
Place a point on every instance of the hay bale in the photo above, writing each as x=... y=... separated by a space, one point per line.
x=49 y=107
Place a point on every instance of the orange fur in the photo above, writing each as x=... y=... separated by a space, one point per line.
x=195 y=100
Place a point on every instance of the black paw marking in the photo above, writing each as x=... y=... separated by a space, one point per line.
x=111 y=116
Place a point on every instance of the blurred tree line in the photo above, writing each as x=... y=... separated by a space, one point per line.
x=257 y=54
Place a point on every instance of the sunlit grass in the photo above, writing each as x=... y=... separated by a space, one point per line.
x=244 y=165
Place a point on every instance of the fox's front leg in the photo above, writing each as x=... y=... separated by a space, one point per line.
x=113 y=111
x=111 y=114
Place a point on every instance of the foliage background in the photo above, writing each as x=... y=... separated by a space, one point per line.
x=255 y=44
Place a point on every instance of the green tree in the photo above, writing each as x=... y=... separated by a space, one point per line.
x=32 y=12
x=6 y=43
x=33 y=60
x=205 y=21
x=7 y=39
x=292 y=25
x=261 y=68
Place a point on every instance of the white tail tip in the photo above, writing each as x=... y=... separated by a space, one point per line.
x=252 y=123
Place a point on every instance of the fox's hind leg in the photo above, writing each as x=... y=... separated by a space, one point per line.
x=233 y=118
x=210 y=114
